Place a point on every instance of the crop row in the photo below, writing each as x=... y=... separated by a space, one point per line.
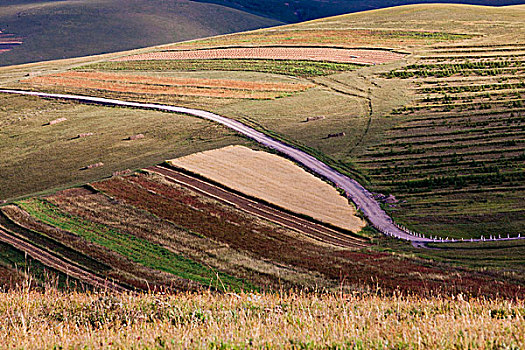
x=326 y=37
x=496 y=115
x=293 y=68
x=472 y=88
x=457 y=181
x=468 y=127
x=490 y=165
x=134 y=248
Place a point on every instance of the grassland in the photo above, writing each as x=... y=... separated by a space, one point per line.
x=268 y=320
x=60 y=155
x=275 y=180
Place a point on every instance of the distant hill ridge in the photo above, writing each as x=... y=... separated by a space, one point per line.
x=73 y=28
x=303 y=10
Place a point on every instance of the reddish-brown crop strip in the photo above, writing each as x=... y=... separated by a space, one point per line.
x=150 y=89
x=191 y=82
x=243 y=233
x=358 y=56
x=124 y=270
x=308 y=227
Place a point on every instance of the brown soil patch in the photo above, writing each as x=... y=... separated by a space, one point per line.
x=195 y=82
x=275 y=180
x=358 y=56
x=149 y=89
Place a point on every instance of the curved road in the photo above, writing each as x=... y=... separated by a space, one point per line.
x=362 y=198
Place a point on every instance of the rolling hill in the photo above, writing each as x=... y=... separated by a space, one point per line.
x=303 y=10
x=62 y=29
x=427 y=113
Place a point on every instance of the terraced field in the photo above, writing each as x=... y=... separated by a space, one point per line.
x=440 y=129
x=140 y=84
x=357 y=56
x=457 y=156
x=147 y=227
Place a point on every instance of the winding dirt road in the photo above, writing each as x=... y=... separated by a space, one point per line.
x=362 y=198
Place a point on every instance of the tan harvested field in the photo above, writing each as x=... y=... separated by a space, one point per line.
x=275 y=180
x=358 y=56
x=194 y=82
x=142 y=84
x=150 y=89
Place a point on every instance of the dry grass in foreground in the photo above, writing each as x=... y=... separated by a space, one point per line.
x=274 y=179
x=53 y=319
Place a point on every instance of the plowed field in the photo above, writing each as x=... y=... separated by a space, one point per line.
x=358 y=56
x=168 y=85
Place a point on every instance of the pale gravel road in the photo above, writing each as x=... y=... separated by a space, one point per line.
x=362 y=198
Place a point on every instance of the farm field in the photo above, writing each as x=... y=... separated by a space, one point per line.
x=141 y=84
x=145 y=227
x=274 y=180
x=9 y=42
x=357 y=56
x=456 y=156
x=436 y=134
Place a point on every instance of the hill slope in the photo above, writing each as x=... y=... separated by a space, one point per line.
x=302 y=10
x=61 y=29
x=424 y=102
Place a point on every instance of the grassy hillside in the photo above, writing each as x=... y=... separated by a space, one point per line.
x=61 y=29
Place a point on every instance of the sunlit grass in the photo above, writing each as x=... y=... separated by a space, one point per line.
x=54 y=319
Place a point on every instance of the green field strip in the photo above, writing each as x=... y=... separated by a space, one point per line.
x=136 y=249
x=286 y=67
x=508 y=128
x=52 y=246
x=453 y=147
x=470 y=114
x=471 y=88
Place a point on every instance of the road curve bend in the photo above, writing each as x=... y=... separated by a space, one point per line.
x=361 y=197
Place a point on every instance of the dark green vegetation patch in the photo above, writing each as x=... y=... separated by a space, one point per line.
x=286 y=67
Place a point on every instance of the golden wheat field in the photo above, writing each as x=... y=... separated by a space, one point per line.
x=275 y=180
x=295 y=320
